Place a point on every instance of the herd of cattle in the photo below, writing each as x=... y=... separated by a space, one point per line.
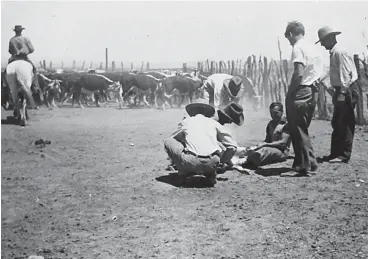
x=158 y=89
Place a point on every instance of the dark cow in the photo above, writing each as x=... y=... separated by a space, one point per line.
x=92 y=83
x=181 y=85
x=5 y=92
x=156 y=74
x=72 y=79
x=141 y=84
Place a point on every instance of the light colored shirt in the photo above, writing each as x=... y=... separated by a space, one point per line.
x=342 y=68
x=20 y=45
x=201 y=135
x=216 y=81
x=307 y=54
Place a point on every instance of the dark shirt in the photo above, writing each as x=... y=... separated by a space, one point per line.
x=272 y=135
x=20 y=45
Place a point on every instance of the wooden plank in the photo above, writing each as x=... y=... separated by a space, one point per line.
x=360 y=106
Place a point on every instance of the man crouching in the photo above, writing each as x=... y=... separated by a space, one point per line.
x=194 y=147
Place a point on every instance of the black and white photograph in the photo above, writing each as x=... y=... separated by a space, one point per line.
x=184 y=129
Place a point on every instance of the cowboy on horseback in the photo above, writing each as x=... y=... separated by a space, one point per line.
x=20 y=47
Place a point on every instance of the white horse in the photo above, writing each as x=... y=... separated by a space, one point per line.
x=19 y=76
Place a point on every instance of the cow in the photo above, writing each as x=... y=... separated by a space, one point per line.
x=69 y=91
x=117 y=90
x=50 y=89
x=140 y=83
x=181 y=85
x=5 y=92
x=92 y=83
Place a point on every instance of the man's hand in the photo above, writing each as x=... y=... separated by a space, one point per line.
x=279 y=128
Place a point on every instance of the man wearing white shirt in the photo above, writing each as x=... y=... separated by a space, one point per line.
x=300 y=98
x=194 y=148
x=343 y=77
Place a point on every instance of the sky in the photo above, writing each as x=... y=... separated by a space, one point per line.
x=170 y=33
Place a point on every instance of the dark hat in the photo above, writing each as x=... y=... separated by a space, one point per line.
x=234 y=112
x=200 y=106
x=234 y=82
x=325 y=31
x=18 y=28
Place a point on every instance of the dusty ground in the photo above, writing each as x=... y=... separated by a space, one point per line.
x=59 y=201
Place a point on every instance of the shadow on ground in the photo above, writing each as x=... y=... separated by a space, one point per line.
x=272 y=171
x=191 y=182
x=10 y=120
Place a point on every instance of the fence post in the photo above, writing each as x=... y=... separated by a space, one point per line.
x=360 y=108
x=50 y=64
x=113 y=66
x=212 y=67
x=185 y=68
x=147 y=66
x=73 y=64
x=106 y=59
x=265 y=86
x=122 y=66
x=322 y=104
x=83 y=64
x=101 y=65
x=131 y=66
x=44 y=64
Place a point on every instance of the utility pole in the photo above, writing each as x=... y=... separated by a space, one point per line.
x=107 y=59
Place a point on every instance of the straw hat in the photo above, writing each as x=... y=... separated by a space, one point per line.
x=234 y=112
x=200 y=106
x=325 y=31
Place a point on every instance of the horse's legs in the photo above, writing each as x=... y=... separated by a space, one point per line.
x=23 y=111
x=15 y=99
x=181 y=100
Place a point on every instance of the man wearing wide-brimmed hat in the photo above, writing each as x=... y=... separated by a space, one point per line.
x=343 y=77
x=194 y=147
x=300 y=98
x=20 y=47
x=223 y=89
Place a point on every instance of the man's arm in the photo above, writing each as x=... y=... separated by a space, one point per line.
x=296 y=79
x=281 y=144
x=30 y=46
x=178 y=134
x=12 y=50
x=225 y=138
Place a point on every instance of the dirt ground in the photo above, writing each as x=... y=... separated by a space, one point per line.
x=100 y=190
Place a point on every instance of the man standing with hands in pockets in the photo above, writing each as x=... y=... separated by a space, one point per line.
x=300 y=99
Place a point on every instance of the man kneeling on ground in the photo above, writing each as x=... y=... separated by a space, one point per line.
x=194 y=147
x=275 y=147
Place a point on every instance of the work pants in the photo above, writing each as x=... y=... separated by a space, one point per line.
x=299 y=112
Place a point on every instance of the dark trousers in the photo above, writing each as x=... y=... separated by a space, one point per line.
x=299 y=112
x=343 y=124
